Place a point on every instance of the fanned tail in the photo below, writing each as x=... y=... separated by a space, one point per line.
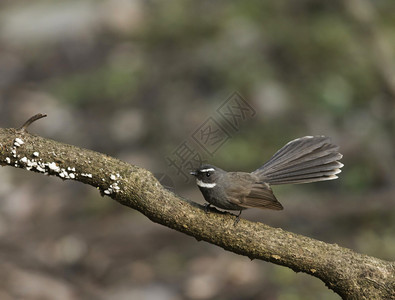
x=304 y=160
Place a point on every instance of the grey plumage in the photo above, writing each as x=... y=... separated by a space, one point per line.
x=307 y=159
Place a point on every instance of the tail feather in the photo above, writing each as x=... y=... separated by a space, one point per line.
x=305 y=162
x=325 y=168
x=305 y=178
x=295 y=149
x=307 y=159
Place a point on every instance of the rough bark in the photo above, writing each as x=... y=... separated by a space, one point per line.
x=350 y=274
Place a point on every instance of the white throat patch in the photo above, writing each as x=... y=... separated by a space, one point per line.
x=205 y=185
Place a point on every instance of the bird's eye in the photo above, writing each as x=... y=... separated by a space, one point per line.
x=208 y=174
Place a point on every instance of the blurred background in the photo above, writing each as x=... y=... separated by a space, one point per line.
x=145 y=81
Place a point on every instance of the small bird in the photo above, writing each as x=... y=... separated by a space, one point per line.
x=303 y=160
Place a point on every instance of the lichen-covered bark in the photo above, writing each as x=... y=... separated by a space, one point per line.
x=351 y=275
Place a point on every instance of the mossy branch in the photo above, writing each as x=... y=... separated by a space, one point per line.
x=350 y=274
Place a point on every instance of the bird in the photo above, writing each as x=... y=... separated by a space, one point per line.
x=302 y=160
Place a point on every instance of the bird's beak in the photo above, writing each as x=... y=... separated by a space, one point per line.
x=194 y=173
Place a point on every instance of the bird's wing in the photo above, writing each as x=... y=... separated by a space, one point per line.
x=261 y=196
x=248 y=193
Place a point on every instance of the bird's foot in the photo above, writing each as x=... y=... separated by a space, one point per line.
x=207 y=207
x=237 y=220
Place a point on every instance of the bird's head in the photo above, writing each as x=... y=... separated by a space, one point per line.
x=207 y=176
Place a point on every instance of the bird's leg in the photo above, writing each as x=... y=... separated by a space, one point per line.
x=237 y=218
x=207 y=207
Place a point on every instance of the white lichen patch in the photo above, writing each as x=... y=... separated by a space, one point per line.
x=67 y=175
x=113 y=177
x=47 y=168
x=31 y=163
x=52 y=166
x=44 y=167
x=86 y=175
x=113 y=188
x=40 y=169
x=63 y=174
x=18 y=142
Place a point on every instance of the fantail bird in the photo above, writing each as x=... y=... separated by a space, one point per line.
x=303 y=160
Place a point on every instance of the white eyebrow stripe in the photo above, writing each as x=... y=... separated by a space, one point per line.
x=207 y=170
x=205 y=185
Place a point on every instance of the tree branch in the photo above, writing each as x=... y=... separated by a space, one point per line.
x=351 y=275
